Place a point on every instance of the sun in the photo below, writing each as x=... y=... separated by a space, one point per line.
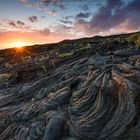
x=19 y=44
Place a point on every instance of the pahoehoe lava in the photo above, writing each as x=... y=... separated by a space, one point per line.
x=92 y=97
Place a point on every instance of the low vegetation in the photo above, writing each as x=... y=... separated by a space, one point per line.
x=5 y=77
x=26 y=58
x=65 y=54
x=138 y=42
x=134 y=39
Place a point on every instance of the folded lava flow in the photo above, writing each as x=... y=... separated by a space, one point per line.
x=90 y=97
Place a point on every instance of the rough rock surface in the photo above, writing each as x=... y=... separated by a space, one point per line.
x=93 y=97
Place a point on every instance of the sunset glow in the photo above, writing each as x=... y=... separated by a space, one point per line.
x=29 y=22
x=19 y=44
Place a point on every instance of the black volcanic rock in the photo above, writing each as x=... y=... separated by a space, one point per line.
x=89 y=96
x=98 y=99
x=25 y=71
x=127 y=52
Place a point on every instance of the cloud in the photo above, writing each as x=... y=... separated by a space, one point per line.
x=114 y=16
x=51 y=1
x=43 y=17
x=33 y=18
x=12 y=23
x=68 y=17
x=62 y=7
x=24 y=1
x=45 y=31
x=111 y=16
x=20 y=23
x=64 y=30
x=84 y=7
x=43 y=5
x=81 y=25
x=66 y=21
x=83 y=15
x=15 y=24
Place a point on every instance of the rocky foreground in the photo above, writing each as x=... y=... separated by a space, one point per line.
x=88 y=98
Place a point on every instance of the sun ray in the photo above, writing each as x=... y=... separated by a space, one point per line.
x=19 y=49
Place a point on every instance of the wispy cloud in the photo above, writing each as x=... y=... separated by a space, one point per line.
x=66 y=21
x=84 y=7
x=115 y=16
x=83 y=15
x=16 y=24
x=45 y=31
x=12 y=23
x=44 y=5
x=68 y=17
x=33 y=18
x=20 y=23
x=66 y=30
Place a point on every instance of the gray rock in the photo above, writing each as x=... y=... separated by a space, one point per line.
x=94 y=97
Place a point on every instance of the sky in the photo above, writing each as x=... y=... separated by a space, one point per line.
x=29 y=22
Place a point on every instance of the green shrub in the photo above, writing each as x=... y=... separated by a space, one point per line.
x=66 y=45
x=65 y=54
x=133 y=38
x=5 y=77
x=26 y=59
x=138 y=42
